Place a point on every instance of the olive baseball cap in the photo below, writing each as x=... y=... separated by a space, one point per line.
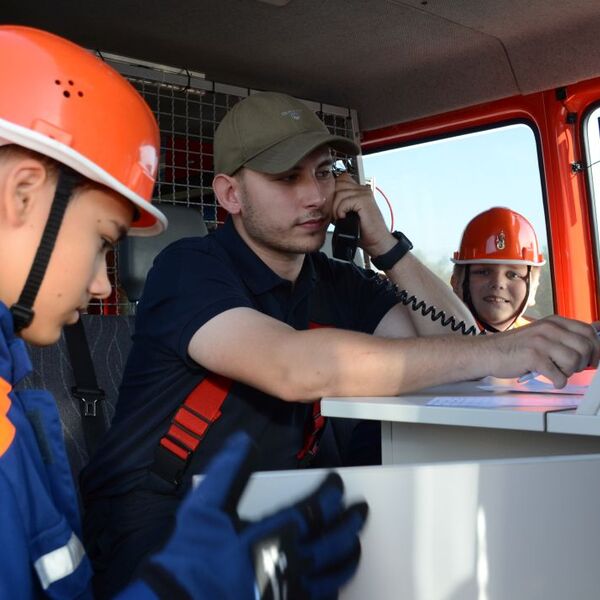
x=271 y=133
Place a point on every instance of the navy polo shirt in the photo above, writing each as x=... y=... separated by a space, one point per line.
x=192 y=281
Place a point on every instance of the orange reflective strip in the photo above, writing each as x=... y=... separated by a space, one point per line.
x=7 y=429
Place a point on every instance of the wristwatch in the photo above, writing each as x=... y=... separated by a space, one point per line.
x=386 y=261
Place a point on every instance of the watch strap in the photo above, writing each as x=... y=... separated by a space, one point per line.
x=386 y=261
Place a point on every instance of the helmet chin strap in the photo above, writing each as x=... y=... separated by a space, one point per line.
x=466 y=290
x=22 y=310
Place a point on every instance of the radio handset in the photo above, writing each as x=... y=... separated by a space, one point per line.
x=346 y=231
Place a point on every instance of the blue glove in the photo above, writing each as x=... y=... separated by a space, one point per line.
x=308 y=550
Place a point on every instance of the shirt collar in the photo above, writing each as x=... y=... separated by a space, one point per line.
x=259 y=277
x=14 y=361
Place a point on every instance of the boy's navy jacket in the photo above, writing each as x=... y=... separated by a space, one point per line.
x=41 y=553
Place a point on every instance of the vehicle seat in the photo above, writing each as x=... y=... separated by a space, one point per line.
x=136 y=254
x=109 y=341
x=109 y=336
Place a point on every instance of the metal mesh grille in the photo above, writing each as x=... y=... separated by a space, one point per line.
x=188 y=114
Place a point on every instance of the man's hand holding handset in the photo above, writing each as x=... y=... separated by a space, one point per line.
x=375 y=237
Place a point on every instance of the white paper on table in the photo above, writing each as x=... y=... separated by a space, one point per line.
x=534 y=386
x=494 y=401
x=577 y=384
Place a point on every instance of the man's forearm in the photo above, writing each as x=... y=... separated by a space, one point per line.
x=302 y=366
x=343 y=363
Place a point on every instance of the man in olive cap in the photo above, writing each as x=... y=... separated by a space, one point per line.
x=250 y=326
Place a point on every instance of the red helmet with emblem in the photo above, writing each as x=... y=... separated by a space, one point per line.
x=501 y=236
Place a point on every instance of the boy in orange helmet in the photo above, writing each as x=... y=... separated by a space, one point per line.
x=69 y=190
x=497 y=268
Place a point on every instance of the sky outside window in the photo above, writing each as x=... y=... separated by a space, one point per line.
x=436 y=187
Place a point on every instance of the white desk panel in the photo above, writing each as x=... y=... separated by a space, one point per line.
x=410 y=443
x=414 y=409
x=518 y=530
x=569 y=422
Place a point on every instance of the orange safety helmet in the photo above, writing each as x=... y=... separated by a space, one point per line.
x=499 y=235
x=61 y=101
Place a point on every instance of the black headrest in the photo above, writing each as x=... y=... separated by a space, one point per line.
x=136 y=254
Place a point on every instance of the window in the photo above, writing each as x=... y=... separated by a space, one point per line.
x=434 y=188
x=591 y=136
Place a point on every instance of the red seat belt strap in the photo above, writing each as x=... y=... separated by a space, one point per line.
x=199 y=411
x=315 y=426
x=312 y=435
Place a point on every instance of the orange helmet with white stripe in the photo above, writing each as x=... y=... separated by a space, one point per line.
x=63 y=102
x=499 y=235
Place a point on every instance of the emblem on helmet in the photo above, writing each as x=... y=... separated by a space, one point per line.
x=501 y=241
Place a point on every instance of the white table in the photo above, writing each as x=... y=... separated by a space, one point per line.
x=413 y=432
x=520 y=528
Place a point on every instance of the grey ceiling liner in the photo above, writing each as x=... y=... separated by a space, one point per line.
x=393 y=61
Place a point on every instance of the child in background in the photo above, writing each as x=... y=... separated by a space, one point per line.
x=497 y=268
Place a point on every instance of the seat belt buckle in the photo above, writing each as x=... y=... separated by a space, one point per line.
x=90 y=398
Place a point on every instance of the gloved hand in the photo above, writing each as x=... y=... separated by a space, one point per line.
x=308 y=550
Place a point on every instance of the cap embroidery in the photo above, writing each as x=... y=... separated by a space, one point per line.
x=501 y=241
x=292 y=114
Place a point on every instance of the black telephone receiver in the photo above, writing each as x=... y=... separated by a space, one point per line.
x=346 y=232
x=345 y=237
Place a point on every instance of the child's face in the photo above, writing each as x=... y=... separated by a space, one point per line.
x=94 y=221
x=498 y=292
